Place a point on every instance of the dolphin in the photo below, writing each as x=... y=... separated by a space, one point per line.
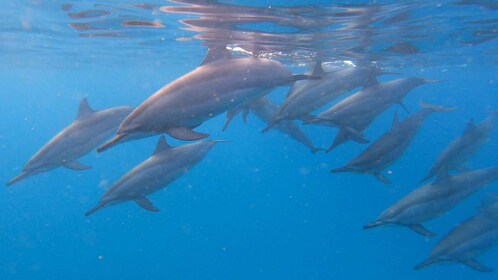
x=435 y=199
x=469 y=239
x=264 y=109
x=307 y=96
x=219 y=84
x=390 y=146
x=164 y=166
x=364 y=106
x=463 y=147
x=87 y=131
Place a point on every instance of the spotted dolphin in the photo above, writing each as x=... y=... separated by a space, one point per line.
x=469 y=239
x=85 y=133
x=463 y=147
x=432 y=200
x=219 y=84
x=164 y=166
x=307 y=96
x=391 y=145
x=364 y=106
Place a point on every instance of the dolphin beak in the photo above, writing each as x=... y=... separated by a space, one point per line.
x=18 y=178
x=96 y=208
x=374 y=224
x=425 y=263
x=114 y=141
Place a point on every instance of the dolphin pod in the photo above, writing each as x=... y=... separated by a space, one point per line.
x=87 y=131
x=469 y=239
x=434 y=199
x=164 y=166
x=220 y=84
x=390 y=146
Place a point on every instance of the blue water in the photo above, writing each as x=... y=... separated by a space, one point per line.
x=258 y=207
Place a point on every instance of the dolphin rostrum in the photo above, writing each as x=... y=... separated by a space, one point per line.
x=463 y=147
x=432 y=200
x=364 y=106
x=87 y=131
x=307 y=96
x=164 y=166
x=218 y=85
x=469 y=239
x=390 y=146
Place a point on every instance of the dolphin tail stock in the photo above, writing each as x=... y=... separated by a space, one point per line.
x=18 y=178
x=435 y=108
x=374 y=224
x=99 y=206
x=425 y=263
x=114 y=141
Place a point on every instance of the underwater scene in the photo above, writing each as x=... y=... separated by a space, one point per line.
x=204 y=139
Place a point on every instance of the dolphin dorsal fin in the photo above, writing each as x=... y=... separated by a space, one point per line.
x=395 y=120
x=161 y=145
x=216 y=53
x=470 y=128
x=318 y=69
x=442 y=177
x=84 y=110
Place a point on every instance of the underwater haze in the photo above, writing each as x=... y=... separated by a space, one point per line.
x=259 y=205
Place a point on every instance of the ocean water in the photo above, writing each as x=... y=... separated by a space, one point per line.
x=260 y=206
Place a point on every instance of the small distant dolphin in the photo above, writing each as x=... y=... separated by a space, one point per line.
x=309 y=95
x=463 y=147
x=87 y=131
x=220 y=84
x=432 y=200
x=164 y=166
x=469 y=239
x=264 y=109
x=364 y=106
x=390 y=146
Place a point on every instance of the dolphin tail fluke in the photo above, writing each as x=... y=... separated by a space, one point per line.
x=374 y=224
x=95 y=209
x=114 y=141
x=18 y=178
x=425 y=263
x=435 y=108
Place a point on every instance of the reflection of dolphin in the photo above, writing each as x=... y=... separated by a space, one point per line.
x=307 y=96
x=463 y=147
x=164 y=166
x=434 y=199
x=469 y=239
x=89 y=129
x=365 y=105
x=390 y=146
x=218 y=85
x=264 y=109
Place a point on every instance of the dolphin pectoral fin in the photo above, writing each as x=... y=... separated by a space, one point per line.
x=374 y=224
x=306 y=117
x=18 y=178
x=187 y=134
x=461 y=169
x=379 y=176
x=425 y=263
x=76 y=165
x=245 y=112
x=420 y=229
x=404 y=107
x=356 y=135
x=477 y=266
x=146 y=204
x=114 y=141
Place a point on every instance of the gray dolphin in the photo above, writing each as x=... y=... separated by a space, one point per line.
x=469 y=239
x=87 y=131
x=432 y=200
x=463 y=147
x=364 y=106
x=307 y=96
x=391 y=145
x=164 y=166
x=264 y=109
x=218 y=85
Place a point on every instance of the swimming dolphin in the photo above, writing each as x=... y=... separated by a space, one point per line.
x=463 y=147
x=391 y=145
x=164 y=166
x=307 y=96
x=87 y=131
x=364 y=106
x=264 y=109
x=469 y=239
x=432 y=200
x=220 y=84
